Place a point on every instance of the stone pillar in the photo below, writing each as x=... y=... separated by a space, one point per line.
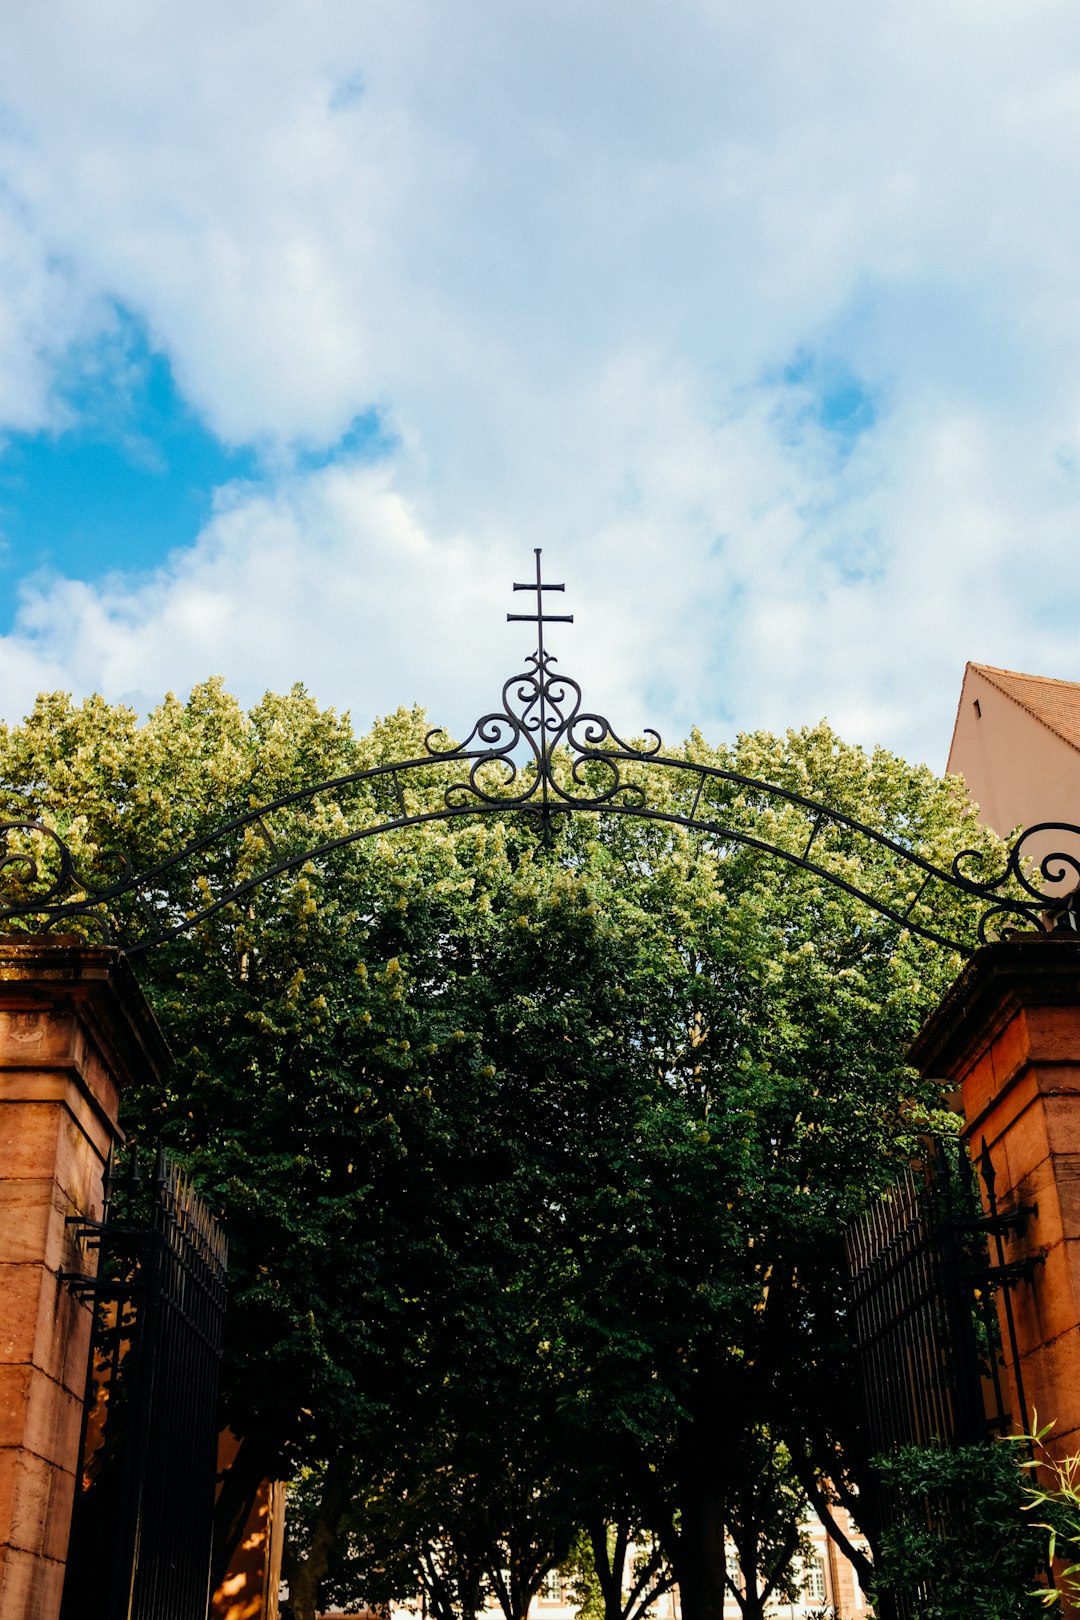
x=74 y=1028
x=1006 y=1040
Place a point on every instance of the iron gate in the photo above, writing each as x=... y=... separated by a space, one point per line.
x=910 y=1259
x=923 y=1320
x=143 y=1514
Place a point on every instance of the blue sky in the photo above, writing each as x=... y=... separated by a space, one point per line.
x=127 y=473
x=762 y=321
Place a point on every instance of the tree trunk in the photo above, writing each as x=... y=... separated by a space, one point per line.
x=455 y=1595
x=514 y=1596
x=306 y=1572
x=609 y=1562
x=752 y=1606
x=469 y=1592
x=752 y=1602
x=807 y=1478
x=700 y=1563
x=701 y=1557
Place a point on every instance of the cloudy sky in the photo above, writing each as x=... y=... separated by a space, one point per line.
x=763 y=319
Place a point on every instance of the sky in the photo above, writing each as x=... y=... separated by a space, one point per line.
x=762 y=320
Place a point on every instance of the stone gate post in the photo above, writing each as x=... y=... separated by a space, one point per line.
x=1006 y=1040
x=74 y=1028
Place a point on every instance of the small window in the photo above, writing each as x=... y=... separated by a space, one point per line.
x=731 y=1562
x=814 y=1579
x=978 y=709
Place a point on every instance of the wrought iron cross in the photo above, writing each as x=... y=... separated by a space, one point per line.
x=539 y=618
x=547 y=738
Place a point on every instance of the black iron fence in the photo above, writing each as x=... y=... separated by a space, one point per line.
x=916 y=1318
x=142 y=1521
x=925 y=1264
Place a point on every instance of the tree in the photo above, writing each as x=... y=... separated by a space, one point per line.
x=628 y=1566
x=780 y=1103
x=321 y=1106
x=765 y=1514
x=568 y=1131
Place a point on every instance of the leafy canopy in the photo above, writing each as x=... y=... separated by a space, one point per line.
x=561 y=1137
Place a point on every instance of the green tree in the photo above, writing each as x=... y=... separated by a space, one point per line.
x=322 y=1090
x=776 y=1101
x=765 y=1513
x=621 y=1570
x=561 y=1138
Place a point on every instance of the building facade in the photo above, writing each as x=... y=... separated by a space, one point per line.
x=1016 y=743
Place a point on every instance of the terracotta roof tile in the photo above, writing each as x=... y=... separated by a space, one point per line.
x=1055 y=703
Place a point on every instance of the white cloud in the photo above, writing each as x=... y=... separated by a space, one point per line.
x=568 y=251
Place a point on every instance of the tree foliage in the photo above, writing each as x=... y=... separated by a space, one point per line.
x=962 y=1547
x=533 y=1160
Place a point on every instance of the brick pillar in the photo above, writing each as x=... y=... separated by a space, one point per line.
x=1006 y=1038
x=74 y=1027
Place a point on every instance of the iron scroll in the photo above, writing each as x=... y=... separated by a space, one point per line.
x=542 y=755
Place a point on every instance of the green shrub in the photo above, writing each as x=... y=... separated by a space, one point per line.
x=961 y=1546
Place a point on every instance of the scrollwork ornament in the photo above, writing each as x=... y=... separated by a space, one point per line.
x=542 y=715
x=1055 y=867
x=1034 y=906
x=973 y=884
x=58 y=902
x=541 y=754
x=1002 y=918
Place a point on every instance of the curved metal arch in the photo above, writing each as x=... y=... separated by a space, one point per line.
x=535 y=756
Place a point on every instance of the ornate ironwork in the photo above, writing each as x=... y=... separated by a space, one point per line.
x=1058 y=912
x=912 y=1311
x=49 y=892
x=542 y=710
x=925 y=1348
x=931 y=1327
x=143 y=1512
x=541 y=755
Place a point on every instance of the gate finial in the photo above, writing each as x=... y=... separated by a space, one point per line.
x=539 y=618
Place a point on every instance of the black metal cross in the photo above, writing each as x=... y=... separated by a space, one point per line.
x=539 y=618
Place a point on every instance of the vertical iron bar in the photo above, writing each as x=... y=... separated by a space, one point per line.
x=986 y=1170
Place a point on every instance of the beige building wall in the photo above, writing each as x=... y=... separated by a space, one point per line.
x=1017 y=769
x=1020 y=770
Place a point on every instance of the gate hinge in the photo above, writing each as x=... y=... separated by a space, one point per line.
x=1005 y=1276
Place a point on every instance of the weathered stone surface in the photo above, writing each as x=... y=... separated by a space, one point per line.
x=32 y=1306
x=28 y=1136
x=28 y=1228
x=30 y=1584
x=26 y=1489
x=73 y=1029
x=38 y=1413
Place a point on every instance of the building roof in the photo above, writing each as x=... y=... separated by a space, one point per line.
x=1055 y=703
